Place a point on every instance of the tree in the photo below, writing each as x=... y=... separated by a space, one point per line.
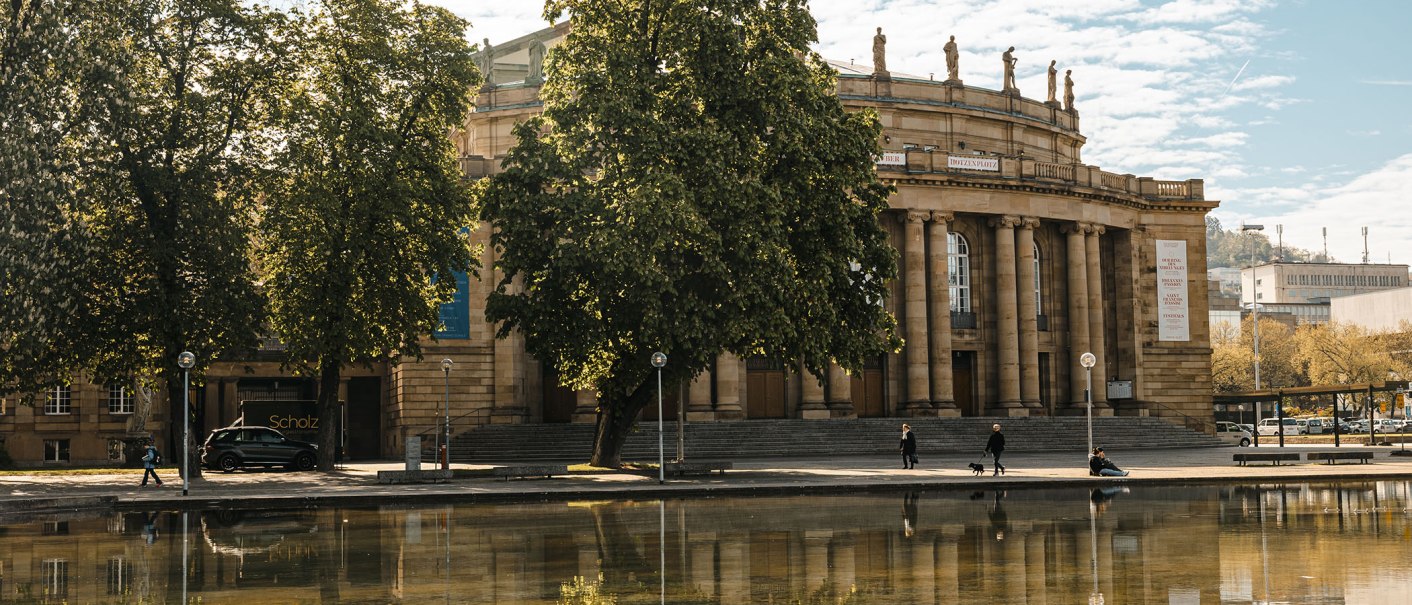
x=42 y=239
x=176 y=112
x=1233 y=357
x=365 y=209
x=692 y=186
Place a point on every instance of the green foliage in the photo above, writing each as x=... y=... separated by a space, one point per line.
x=583 y=592
x=693 y=186
x=42 y=239
x=366 y=201
x=1234 y=248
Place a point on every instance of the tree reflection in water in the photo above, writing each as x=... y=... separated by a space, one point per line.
x=1297 y=543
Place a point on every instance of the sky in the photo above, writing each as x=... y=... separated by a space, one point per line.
x=1295 y=112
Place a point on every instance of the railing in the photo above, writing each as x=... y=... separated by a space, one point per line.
x=963 y=320
x=1042 y=323
x=1191 y=422
x=1173 y=189
x=1108 y=180
x=1047 y=170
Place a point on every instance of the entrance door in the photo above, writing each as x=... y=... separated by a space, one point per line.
x=364 y=417
x=963 y=381
x=867 y=389
x=764 y=388
x=559 y=401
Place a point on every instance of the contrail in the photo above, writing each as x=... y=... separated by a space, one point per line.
x=1237 y=77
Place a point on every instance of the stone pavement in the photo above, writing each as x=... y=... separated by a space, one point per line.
x=357 y=483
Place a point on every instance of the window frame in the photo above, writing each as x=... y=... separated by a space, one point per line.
x=124 y=404
x=958 y=272
x=61 y=451
x=1038 y=281
x=59 y=401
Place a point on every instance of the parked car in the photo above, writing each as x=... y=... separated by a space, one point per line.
x=235 y=447
x=1303 y=425
x=1269 y=427
x=1233 y=433
x=1318 y=425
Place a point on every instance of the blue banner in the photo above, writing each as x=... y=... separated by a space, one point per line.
x=456 y=315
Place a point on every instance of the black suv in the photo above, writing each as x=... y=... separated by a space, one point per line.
x=230 y=448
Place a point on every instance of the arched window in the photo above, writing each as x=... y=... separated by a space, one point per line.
x=1038 y=295
x=958 y=263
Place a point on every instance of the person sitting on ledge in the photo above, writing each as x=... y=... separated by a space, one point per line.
x=1100 y=466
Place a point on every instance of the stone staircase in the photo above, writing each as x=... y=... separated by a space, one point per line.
x=864 y=436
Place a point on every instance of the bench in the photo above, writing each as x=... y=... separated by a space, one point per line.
x=401 y=477
x=1272 y=457
x=1330 y=457
x=530 y=470
x=677 y=469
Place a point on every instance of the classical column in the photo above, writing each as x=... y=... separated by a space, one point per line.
x=1077 y=312
x=698 y=399
x=816 y=559
x=942 y=393
x=510 y=367
x=811 y=407
x=728 y=387
x=840 y=393
x=1029 y=322
x=1096 y=338
x=917 y=402
x=1007 y=326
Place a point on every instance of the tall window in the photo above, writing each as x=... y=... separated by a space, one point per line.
x=58 y=400
x=119 y=399
x=55 y=576
x=958 y=264
x=119 y=576
x=56 y=450
x=1038 y=295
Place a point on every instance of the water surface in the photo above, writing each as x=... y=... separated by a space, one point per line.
x=1297 y=543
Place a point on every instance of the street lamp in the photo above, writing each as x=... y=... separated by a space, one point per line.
x=185 y=360
x=446 y=430
x=1087 y=360
x=659 y=359
x=1255 y=322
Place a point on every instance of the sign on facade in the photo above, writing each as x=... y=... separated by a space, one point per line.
x=1173 y=323
x=892 y=158
x=972 y=163
x=455 y=316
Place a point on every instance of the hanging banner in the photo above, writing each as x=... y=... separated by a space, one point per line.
x=1173 y=322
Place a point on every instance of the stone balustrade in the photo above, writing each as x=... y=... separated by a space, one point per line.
x=920 y=161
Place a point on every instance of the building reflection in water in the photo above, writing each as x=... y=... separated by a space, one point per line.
x=1237 y=544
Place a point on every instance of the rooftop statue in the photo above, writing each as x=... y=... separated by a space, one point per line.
x=1008 y=58
x=536 y=63
x=487 y=64
x=879 y=53
x=953 y=60
x=1068 y=91
x=1053 y=76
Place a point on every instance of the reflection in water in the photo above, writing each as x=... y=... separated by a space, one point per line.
x=1237 y=544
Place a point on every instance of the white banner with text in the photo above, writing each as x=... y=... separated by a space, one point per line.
x=1173 y=322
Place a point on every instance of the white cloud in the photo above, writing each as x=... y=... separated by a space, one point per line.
x=1365 y=133
x=1387 y=82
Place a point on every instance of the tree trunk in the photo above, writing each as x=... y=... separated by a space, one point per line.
x=616 y=417
x=178 y=398
x=329 y=413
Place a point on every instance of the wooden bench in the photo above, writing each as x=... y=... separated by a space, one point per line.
x=530 y=470
x=677 y=469
x=1272 y=457
x=1330 y=457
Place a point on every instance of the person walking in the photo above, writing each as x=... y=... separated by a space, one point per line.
x=1100 y=466
x=995 y=447
x=150 y=459
x=908 y=447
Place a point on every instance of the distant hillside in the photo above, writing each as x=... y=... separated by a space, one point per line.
x=1234 y=249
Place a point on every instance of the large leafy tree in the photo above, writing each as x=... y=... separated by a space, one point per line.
x=693 y=186
x=365 y=209
x=42 y=239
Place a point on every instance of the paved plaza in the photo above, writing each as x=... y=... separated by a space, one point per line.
x=357 y=483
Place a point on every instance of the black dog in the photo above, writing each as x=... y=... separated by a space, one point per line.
x=977 y=468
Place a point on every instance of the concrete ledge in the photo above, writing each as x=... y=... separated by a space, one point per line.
x=49 y=505
x=1330 y=457
x=399 y=477
x=530 y=470
x=677 y=469
x=1273 y=458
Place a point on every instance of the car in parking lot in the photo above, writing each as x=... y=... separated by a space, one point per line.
x=1271 y=426
x=236 y=447
x=1232 y=433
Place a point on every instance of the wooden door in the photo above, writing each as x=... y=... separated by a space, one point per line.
x=963 y=380
x=559 y=401
x=764 y=388
x=867 y=390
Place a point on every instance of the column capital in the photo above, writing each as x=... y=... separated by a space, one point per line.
x=1094 y=229
x=1072 y=228
x=1029 y=222
x=943 y=217
x=917 y=216
x=1005 y=222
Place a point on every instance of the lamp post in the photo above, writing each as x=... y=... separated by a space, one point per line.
x=1255 y=322
x=659 y=359
x=446 y=430
x=1087 y=360
x=185 y=360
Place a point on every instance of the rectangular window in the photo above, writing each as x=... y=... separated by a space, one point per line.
x=56 y=450
x=59 y=400
x=55 y=575
x=119 y=576
x=119 y=399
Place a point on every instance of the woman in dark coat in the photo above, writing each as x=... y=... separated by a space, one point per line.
x=909 y=447
x=996 y=446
